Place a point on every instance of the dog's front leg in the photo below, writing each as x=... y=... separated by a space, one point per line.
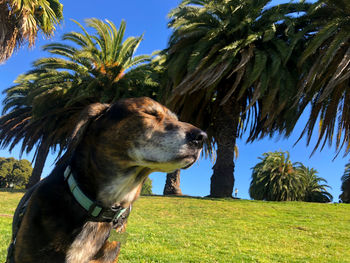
x=108 y=253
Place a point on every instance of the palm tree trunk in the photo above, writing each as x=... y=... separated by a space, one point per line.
x=40 y=159
x=226 y=123
x=8 y=32
x=172 y=185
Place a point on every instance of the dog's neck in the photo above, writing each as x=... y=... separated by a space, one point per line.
x=105 y=178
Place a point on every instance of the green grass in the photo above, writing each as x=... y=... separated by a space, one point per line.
x=8 y=204
x=166 y=229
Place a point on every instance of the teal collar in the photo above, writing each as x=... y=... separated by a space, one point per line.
x=94 y=209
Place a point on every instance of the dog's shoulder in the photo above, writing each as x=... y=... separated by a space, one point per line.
x=52 y=218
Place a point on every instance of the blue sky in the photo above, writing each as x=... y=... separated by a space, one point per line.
x=150 y=17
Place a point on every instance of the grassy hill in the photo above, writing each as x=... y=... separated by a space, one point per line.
x=171 y=229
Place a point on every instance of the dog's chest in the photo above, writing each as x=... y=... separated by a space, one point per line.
x=88 y=242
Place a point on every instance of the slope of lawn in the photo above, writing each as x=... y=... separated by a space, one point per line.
x=172 y=229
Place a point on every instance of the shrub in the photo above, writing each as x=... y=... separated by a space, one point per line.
x=14 y=173
x=147 y=187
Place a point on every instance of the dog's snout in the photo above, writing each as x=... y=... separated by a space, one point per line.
x=196 y=137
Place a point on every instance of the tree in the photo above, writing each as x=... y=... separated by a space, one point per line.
x=147 y=187
x=314 y=190
x=14 y=173
x=43 y=107
x=275 y=179
x=326 y=82
x=20 y=21
x=345 y=187
x=172 y=184
x=225 y=63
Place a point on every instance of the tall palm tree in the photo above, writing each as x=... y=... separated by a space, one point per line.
x=345 y=187
x=21 y=20
x=315 y=191
x=326 y=83
x=98 y=67
x=275 y=179
x=231 y=64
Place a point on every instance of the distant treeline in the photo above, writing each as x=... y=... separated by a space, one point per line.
x=14 y=173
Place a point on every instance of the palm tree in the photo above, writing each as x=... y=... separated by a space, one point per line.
x=326 y=83
x=30 y=117
x=21 y=20
x=172 y=184
x=345 y=187
x=226 y=61
x=19 y=124
x=97 y=67
x=275 y=179
x=315 y=191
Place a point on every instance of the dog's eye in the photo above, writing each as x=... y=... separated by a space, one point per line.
x=171 y=127
x=154 y=114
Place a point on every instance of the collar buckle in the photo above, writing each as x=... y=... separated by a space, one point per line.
x=112 y=214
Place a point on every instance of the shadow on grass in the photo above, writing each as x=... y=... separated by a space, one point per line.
x=9 y=190
x=197 y=197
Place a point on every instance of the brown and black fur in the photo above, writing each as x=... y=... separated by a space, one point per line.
x=112 y=151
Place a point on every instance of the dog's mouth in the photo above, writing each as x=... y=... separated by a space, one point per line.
x=180 y=162
x=188 y=165
x=188 y=160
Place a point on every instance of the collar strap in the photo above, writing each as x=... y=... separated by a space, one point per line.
x=98 y=213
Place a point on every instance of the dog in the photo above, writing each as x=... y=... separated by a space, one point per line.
x=112 y=151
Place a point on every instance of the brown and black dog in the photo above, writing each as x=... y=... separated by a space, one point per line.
x=113 y=150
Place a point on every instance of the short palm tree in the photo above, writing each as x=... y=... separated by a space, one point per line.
x=98 y=67
x=21 y=20
x=345 y=187
x=23 y=123
x=275 y=179
x=326 y=83
x=231 y=63
x=315 y=191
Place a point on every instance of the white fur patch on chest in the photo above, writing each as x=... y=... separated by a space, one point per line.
x=123 y=188
x=88 y=242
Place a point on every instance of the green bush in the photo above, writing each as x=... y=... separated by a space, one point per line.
x=147 y=187
x=14 y=173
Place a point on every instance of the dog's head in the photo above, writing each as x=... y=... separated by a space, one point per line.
x=140 y=132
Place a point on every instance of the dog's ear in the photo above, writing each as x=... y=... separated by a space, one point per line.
x=89 y=114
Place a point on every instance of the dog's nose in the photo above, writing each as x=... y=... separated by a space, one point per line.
x=196 y=137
